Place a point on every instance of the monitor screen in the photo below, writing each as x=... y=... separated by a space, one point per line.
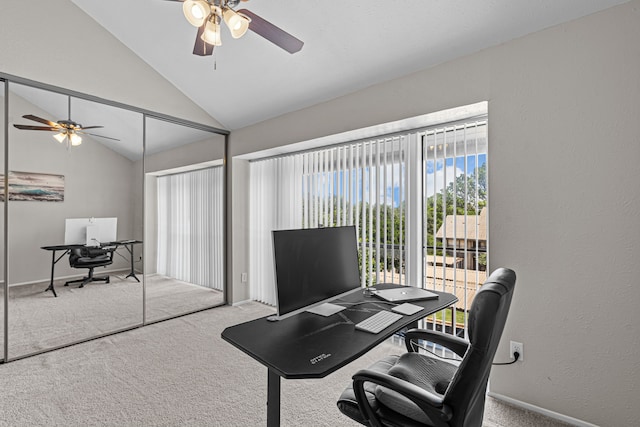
x=314 y=266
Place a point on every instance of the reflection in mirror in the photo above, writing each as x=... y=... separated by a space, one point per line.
x=184 y=219
x=71 y=158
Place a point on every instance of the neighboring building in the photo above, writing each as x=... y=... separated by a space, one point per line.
x=464 y=237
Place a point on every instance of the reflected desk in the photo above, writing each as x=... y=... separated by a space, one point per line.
x=66 y=249
x=311 y=346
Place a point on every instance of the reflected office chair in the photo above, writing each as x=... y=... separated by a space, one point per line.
x=419 y=390
x=90 y=258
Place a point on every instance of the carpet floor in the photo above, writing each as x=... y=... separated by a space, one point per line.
x=38 y=320
x=181 y=373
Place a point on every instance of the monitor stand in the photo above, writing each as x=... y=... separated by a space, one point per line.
x=326 y=309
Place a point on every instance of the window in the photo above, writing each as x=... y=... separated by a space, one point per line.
x=418 y=200
x=455 y=215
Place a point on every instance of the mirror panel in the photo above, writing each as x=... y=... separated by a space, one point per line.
x=2 y=207
x=52 y=182
x=184 y=219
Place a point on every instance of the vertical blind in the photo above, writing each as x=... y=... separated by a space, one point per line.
x=366 y=184
x=455 y=215
x=275 y=204
x=361 y=183
x=191 y=227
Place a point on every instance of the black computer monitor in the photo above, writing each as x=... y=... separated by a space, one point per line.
x=314 y=266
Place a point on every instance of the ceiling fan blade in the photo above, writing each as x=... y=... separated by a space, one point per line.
x=201 y=48
x=272 y=33
x=93 y=134
x=29 y=127
x=90 y=127
x=41 y=120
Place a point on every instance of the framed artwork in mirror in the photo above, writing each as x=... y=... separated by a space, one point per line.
x=31 y=186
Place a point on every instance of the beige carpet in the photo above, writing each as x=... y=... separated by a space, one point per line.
x=179 y=373
x=38 y=320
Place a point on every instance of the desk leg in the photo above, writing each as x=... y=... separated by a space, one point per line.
x=273 y=399
x=53 y=266
x=132 y=273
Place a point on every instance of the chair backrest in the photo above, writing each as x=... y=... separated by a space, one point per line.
x=487 y=317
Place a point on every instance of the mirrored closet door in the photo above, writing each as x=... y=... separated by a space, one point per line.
x=112 y=217
x=3 y=283
x=74 y=171
x=184 y=219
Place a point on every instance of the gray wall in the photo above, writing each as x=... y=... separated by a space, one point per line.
x=564 y=149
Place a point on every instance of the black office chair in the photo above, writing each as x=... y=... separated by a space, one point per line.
x=90 y=258
x=419 y=390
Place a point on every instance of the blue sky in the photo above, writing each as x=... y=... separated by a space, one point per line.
x=435 y=172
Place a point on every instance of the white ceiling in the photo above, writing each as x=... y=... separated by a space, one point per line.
x=349 y=45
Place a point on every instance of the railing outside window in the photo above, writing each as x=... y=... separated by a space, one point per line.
x=455 y=216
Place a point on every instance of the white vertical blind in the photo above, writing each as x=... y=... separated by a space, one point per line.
x=359 y=184
x=191 y=227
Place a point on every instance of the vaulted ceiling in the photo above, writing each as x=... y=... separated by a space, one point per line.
x=349 y=45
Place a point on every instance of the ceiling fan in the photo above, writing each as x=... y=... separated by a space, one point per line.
x=67 y=129
x=207 y=15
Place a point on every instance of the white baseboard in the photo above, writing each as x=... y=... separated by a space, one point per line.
x=546 y=412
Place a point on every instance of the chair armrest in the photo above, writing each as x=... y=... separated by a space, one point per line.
x=432 y=405
x=453 y=343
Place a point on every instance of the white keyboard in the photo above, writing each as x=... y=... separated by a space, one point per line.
x=378 y=322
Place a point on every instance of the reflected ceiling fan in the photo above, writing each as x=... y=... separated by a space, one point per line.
x=67 y=129
x=208 y=15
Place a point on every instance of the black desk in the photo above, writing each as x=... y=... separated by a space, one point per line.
x=311 y=346
x=127 y=244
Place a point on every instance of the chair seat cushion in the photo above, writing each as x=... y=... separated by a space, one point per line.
x=347 y=402
x=92 y=261
x=429 y=373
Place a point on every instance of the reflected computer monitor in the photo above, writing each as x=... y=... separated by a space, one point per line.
x=90 y=231
x=313 y=267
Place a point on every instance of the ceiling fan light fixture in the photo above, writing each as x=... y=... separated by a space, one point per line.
x=196 y=11
x=75 y=139
x=238 y=23
x=60 y=137
x=211 y=33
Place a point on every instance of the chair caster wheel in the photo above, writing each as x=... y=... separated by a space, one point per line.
x=108 y=280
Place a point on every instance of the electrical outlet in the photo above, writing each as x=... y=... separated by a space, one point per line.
x=516 y=347
x=243 y=277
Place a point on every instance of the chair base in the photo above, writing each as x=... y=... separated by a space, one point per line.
x=88 y=279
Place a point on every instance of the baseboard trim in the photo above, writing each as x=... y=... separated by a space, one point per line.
x=546 y=412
